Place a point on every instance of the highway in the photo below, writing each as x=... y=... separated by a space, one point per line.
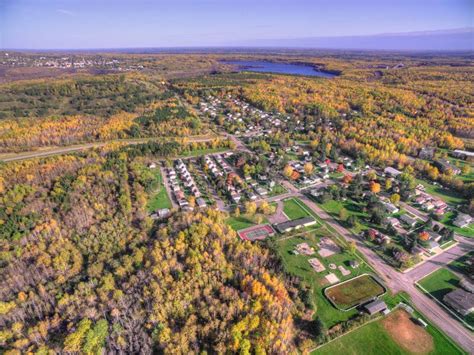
x=50 y=151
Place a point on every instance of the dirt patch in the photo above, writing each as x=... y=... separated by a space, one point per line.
x=410 y=336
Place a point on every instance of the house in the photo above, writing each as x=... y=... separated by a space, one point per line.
x=445 y=165
x=390 y=208
x=200 y=202
x=261 y=191
x=463 y=154
x=295 y=224
x=461 y=301
x=410 y=221
x=432 y=245
x=463 y=220
x=392 y=172
x=163 y=213
x=426 y=153
x=467 y=284
x=392 y=221
x=375 y=307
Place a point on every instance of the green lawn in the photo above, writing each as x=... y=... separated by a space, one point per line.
x=448 y=220
x=298 y=265
x=374 y=339
x=199 y=152
x=446 y=195
x=277 y=190
x=238 y=223
x=440 y=283
x=294 y=210
x=159 y=198
x=332 y=207
x=370 y=339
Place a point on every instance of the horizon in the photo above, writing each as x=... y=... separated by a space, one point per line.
x=89 y=25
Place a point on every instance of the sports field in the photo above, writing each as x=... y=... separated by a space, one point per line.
x=354 y=292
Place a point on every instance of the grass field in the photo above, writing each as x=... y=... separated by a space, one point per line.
x=333 y=207
x=354 y=292
x=460 y=265
x=298 y=265
x=293 y=210
x=395 y=334
x=439 y=284
x=159 y=198
x=238 y=223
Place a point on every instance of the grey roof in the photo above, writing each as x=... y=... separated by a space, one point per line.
x=282 y=227
x=375 y=306
x=460 y=300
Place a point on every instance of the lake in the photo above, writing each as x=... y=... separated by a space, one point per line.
x=262 y=66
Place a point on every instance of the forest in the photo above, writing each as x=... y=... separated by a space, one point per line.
x=83 y=267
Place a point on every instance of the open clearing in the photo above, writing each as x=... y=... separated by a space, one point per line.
x=354 y=292
x=395 y=334
x=407 y=334
x=159 y=199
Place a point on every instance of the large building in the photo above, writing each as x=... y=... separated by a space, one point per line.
x=295 y=224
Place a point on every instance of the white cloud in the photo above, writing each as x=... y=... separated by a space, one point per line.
x=65 y=12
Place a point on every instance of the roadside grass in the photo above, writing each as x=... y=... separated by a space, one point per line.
x=354 y=292
x=277 y=190
x=159 y=198
x=439 y=284
x=199 y=152
x=293 y=210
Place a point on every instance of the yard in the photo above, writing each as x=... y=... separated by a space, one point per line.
x=395 y=334
x=446 y=195
x=159 y=198
x=298 y=265
x=448 y=220
x=439 y=284
x=354 y=292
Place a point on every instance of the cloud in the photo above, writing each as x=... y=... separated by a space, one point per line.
x=65 y=12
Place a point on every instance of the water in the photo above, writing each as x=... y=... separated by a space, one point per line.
x=261 y=66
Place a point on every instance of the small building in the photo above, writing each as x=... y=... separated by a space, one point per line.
x=392 y=172
x=295 y=224
x=392 y=221
x=463 y=154
x=426 y=153
x=390 y=207
x=467 y=284
x=445 y=165
x=200 y=202
x=353 y=264
x=410 y=221
x=461 y=301
x=375 y=307
x=163 y=213
x=463 y=220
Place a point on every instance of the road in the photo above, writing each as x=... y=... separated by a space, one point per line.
x=49 y=151
x=398 y=281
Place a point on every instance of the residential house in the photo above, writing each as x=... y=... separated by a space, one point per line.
x=201 y=203
x=461 y=301
x=445 y=165
x=410 y=221
x=392 y=172
x=375 y=307
x=463 y=220
x=426 y=153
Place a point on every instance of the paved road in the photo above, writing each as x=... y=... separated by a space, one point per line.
x=398 y=281
x=49 y=151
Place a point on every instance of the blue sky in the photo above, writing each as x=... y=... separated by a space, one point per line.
x=40 y=24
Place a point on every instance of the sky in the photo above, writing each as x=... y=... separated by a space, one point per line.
x=87 y=24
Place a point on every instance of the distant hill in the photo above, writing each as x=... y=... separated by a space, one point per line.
x=443 y=40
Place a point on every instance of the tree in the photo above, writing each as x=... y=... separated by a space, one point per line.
x=352 y=220
x=395 y=199
x=308 y=168
x=250 y=208
x=237 y=212
x=352 y=247
x=340 y=168
x=343 y=214
x=388 y=184
x=423 y=236
x=374 y=187
x=371 y=175
x=288 y=171
x=347 y=179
